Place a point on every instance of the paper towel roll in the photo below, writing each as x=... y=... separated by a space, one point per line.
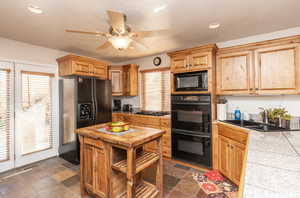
x=222 y=111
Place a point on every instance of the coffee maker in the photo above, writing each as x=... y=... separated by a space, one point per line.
x=117 y=105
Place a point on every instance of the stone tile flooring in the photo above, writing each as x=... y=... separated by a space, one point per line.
x=57 y=178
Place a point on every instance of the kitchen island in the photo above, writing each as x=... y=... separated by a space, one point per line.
x=112 y=165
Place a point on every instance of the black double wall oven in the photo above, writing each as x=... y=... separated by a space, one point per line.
x=191 y=128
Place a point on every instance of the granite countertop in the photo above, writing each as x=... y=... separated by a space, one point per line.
x=138 y=137
x=273 y=165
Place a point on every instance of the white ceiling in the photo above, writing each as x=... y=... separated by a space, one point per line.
x=188 y=21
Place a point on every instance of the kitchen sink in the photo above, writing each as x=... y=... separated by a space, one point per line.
x=258 y=126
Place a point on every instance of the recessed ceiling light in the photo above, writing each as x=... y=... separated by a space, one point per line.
x=160 y=8
x=214 y=25
x=35 y=9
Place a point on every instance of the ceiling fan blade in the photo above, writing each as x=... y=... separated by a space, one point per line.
x=84 y=32
x=140 y=44
x=150 y=33
x=104 y=45
x=117 y=21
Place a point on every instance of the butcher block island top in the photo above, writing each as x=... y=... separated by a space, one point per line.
x=114 y=165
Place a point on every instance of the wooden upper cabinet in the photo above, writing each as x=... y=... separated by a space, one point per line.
x=277 y=69
x=179 y=63
x=193 y=59
x=100 y=71
x=116 y=77
x=82 y=66
x=234 y=72
x=262 y=68
x=130 y=80
x=124 y=80
x=199 y=60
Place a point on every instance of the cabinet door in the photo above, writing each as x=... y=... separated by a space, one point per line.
x=116 y=79
x=234 y=73
x=179 y=63
x=276 y=70
x=100 y=185
x=88 y=167
x=82 y=68
x=238 y=153
x=199 y=60
x=126 y=81
x=100 y=71
x=224 y=156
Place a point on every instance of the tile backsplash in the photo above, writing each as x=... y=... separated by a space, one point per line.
x=134 y=100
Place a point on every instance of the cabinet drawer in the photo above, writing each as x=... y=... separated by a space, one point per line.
x=167 y=152
x=146 y=121
x=234 y=134
x=164 y=122
x=166 y=140
x=93 y=142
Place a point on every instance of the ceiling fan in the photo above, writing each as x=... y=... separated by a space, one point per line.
x=120 y=35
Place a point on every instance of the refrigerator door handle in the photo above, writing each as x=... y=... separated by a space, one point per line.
x=95 y=99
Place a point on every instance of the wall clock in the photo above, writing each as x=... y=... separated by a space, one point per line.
x=157 y=61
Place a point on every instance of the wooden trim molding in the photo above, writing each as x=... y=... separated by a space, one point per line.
x=209 y=47
x=256 y=45
x=7 y=70
x=155 y=69
x=38 y=73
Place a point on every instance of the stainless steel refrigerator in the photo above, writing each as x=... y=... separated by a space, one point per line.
x=84 y=101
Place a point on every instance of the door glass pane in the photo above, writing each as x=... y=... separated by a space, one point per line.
x=5 y=114
x=69 y=118
x=35 y=120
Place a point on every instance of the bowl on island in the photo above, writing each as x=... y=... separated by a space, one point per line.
x=117 y=127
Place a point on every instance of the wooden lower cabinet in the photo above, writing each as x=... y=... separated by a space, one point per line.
x=94 y=169
x=225 y=155
x=88 y=167
x=99 y=173
x=238 y=153
x=229 y=149
x=231 y=158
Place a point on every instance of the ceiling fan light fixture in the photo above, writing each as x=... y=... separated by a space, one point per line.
x=35 y=9
x=214 y=25
x=120 y=42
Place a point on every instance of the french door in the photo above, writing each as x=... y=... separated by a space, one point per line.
x=30 y=108
x=6 y=116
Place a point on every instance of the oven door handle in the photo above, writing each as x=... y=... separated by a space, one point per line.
x=191 y=103
x=190 y=134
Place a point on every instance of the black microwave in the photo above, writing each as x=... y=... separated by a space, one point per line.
x=193 y=81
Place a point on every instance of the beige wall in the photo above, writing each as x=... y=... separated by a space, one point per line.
x=23 y=52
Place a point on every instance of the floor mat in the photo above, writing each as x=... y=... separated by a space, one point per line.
x=214 y=185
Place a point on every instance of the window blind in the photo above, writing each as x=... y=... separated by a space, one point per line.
x=36 y=112
x=155 y=90
x=5 y=114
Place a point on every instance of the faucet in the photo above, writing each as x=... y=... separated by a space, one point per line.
x=265 y=115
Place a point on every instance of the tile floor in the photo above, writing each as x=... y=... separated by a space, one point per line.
x=57 y=178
